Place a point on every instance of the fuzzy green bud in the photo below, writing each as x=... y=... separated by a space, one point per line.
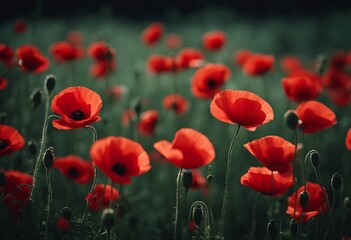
x=303 y=199
x=293 y=228
x=315 y=159
x=347 y=202
x=291 y=119
x=336 y=182
x=108 y=218
x=49 y=83
x=67 y=213
x=187 y=179
x=272 y=229
x=35 y=97
x=49 y=157
x=197 y=215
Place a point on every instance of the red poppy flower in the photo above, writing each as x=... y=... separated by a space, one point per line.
x=78 y=107
x=20 y=26
x=65 y=51
x=101 y=51
x=30 y=59
x=102 y=68
x=100 y=199
x=159 y=64
x=120 y=158
x=75 y=168
x=270 y=183
x=336 y=80
x=241 y=56
x=214 y=40
x=3 y=83
x=63 y=224
x=315 y=116
x=290 y=63
x=75 y=38
x=208 y=80
x=258 y=64
x=241 y=107
x=316 y=203
x=152 y=34
x=16 y=197
x=339 y=60
x=273 y=151
x=189 y=57
x=348 y=140
x=340 y=97
x=127 y=116
x=189 y=149
x=173 y=41
x=10 y=140
x=6 y=54
x=176 y=102
x=301 y=89
x=148 y=121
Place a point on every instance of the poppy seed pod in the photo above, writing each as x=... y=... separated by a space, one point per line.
x=49 y=157
x=315 y=159
x=32 y=147
x=2 y=179
x=67 y=213
x=187 y=179
x=197 y=215
x=108 y=218
x=293 y=228
x=35 y=97
x=336 y=182
x=291 y=119
x=272 y=229
x=347 y=202
x=3 y=117
x=49 y=83
x=303 y=199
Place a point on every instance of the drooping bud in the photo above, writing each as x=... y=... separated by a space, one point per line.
x=67 y=213
x=291 y=119
x=197 y=215
x=347 y=202
x=315 y=159
x=187 y=179
x=272 y=229
x=336 y=182
x=35 y=97
x=321 y=64
x=32 y=147
x=49 y=157
x=2 y=178
x=108 y=218
x=209 y=178
x=3 y=117
x=136 y=105
x=49 y=83
x=303 y=199
x=293 y=228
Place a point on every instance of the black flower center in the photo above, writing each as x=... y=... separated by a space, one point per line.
x=119 y=169
x=77 y=115
x=211 y=83
x=73 y=172
x=3 y=144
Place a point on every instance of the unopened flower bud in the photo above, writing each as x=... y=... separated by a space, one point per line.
x=108 y=218
x=136 y=105
x=35 y=97
x=293 y=228
x=187 y=179
x=32 y=147
x=67 y=213
x=321 y=64
x=303 y=199
x=336 y=182
x=291 y=119
x=49 y=83
x=3 y=117
x=209 y=178
x=347 y=202
x=2 y=178
x=49 y=157
x=272 y=229
x=315 y=159
x=197 y=215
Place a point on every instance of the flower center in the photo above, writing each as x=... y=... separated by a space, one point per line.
x=73 y=172
x=211 y=83
x=77 y=115
x=3 y=144
x=119 y=169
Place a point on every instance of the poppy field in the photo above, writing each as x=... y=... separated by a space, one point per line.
x=194 y=128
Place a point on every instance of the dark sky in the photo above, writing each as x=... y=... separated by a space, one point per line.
x=152 y=8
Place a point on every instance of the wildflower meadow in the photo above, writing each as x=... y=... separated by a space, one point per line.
x=208 y=126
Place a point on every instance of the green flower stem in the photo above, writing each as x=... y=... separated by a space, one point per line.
x=177 y=203
x=40 y=155
x=48 y=182
x=227 y=178
x=253 y=230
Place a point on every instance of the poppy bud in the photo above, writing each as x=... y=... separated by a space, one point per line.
x=2 y=178
x=108 y=218
x=272 y=229
x=136 y=105
x=321 y=64
x=32 y=146
x=35 y=97
x=293 y=228
x=209 y=178
x=303 y=199
x=197 y=215
x=67 y=213
x=3 y=117
x=291 y=119
x=49 y=83
x=49 y=157
x=336 y=182
x=347 y=202
x=187 y=179
x=315 y=159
